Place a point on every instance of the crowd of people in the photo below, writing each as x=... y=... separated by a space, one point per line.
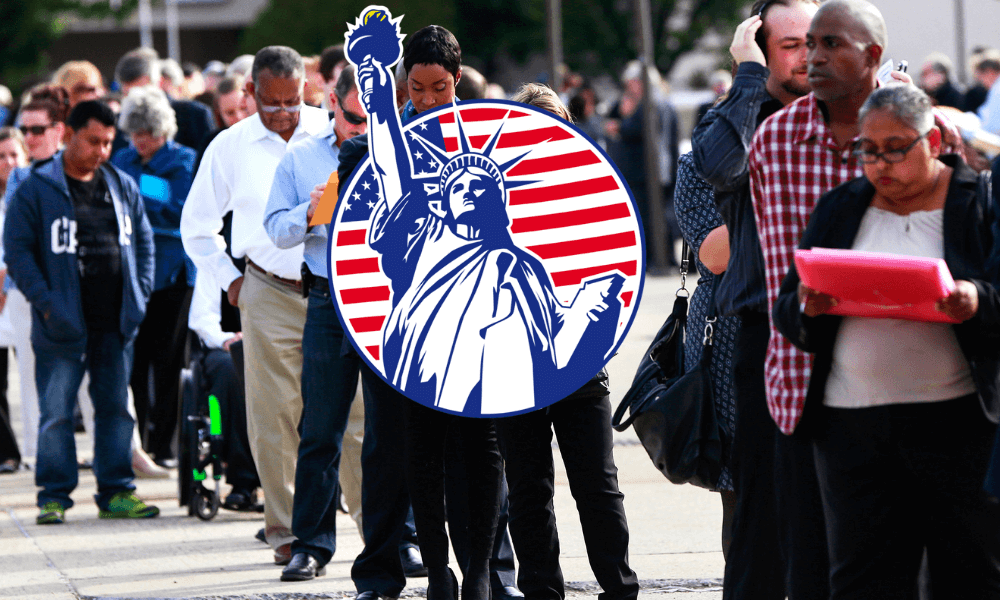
x=168 y=222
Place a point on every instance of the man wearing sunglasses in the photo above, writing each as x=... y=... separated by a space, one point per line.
x=329 y=379
x=235 y=175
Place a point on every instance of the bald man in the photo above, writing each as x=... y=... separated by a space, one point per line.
x=800 y=153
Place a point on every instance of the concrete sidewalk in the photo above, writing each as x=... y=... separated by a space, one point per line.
x=675 y=546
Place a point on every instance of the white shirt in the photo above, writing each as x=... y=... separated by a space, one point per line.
x=235 y=175
x=205 y=317
x=893 y=361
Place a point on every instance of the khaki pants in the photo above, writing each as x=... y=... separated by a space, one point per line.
x=273 y=317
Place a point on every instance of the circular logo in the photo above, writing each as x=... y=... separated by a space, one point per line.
x=486 y=259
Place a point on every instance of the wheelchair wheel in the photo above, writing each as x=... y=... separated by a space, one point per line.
x=205 y=504
x=188 y=442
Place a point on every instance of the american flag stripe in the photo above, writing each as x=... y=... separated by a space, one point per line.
x=572 y=215
x=534 y=166
x=584 y=246
x=567 y=219
x=563 y=191
x=379 y=293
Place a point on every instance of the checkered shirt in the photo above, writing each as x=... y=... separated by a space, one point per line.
x=794 y=159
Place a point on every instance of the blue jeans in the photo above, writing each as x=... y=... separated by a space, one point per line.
x=329 y=382
x=58 y=377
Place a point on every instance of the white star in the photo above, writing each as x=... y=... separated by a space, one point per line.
x=347 y=205
x=371 y=204
x=423 y=126
x=366 y=185
x=378 y=195
x=433 y=164
x=374 y=175
x=357 y=196
x=413 y=135
x=418 y=154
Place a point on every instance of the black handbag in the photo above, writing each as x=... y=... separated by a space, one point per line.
x=671 y=411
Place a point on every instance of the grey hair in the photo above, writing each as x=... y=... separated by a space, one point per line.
x=400 y=75
x=241 y=65
x=147 y=109
x=345 y=82
x=136 y=64
x=281 y=61
x=172 y=70
x=905 y=102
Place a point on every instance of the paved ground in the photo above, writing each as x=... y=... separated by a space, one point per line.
x=675 y=545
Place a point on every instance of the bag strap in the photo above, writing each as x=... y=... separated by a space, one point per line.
x=683 y=270
x=707 y=341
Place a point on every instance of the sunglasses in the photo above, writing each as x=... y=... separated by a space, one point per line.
x=35 y=129
x=352 y=118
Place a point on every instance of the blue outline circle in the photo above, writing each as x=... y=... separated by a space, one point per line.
x=417 y=119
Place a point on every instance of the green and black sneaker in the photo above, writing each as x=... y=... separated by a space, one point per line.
x=126 y=505
x=52 y=513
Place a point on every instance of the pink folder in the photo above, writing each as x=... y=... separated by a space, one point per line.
x=877 y=284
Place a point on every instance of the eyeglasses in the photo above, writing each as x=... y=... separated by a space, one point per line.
x=352 y=118
x=35 y=129
x=869 y=156
x=265 y=108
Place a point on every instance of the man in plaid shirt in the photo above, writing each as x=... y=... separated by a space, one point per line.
x=804 y=151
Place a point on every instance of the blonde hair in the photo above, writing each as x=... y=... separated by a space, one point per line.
x=75 y=72
x=543 y=97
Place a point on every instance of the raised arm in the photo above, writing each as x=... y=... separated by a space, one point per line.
x=387 y=146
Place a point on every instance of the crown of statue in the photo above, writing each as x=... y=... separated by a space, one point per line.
x=456 y=165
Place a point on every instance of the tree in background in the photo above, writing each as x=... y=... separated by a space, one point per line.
x=28 y=28
x=598 y=35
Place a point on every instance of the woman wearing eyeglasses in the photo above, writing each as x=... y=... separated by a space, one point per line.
x=905 y=411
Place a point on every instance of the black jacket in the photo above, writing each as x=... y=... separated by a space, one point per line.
x=968 y=251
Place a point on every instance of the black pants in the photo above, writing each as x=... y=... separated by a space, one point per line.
x=8 y=443
x=897 y=479
x=754 y=569
x=385 y=501
x=427 y=431
x=159 y=358
x=223 y=382
x=583 y=428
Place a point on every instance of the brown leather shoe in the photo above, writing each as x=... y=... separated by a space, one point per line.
x=283 y=554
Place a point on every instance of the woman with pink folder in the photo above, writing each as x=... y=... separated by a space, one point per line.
x=904 y=412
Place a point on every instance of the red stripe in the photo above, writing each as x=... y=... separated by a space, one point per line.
x=533 y=137
x=479 y=114
x=357 y=265
x=575 y=276
x=627 y=299
x=514 y=139
x=555 y=163
x=373 y=350
x=367 y=324
x=584 y=246
x=368 y=294
x=351 y=238
x=563 y=190
x=568 y=219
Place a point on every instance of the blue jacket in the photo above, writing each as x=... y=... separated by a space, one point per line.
x=40 y=247
x=164 y=183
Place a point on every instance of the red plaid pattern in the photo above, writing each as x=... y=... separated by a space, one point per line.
x=794 y=159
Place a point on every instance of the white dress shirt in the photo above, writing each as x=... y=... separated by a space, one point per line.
x=235 y=175
x=205 y=317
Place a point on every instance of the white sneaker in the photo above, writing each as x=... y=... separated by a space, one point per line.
x=145 y=468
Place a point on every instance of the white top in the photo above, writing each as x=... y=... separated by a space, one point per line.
x=205 y=316
x=892 y=361
x=235 y=174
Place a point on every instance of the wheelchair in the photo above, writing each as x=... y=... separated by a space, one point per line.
x=201 y=439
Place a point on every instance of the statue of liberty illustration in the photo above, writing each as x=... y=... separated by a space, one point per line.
x=474 y=321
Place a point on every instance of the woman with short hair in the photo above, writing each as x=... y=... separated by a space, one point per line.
x=164 y=170
x=903 y=413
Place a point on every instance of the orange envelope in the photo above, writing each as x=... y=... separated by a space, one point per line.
x=328 y=202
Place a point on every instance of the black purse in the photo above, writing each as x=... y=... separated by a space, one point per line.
x=671 y=411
